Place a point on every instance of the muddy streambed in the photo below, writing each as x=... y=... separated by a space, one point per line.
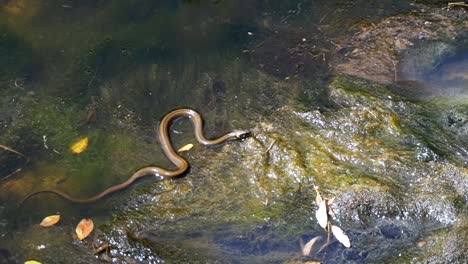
x=368 y=104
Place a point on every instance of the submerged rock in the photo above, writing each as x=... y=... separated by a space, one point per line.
x=392 y=189
x=378 y=51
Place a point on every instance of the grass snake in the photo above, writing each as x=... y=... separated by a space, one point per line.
x=181 y=163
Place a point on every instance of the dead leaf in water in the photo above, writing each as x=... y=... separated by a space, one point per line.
x=318 y=198
x=340 y=236
x=50 y=220
x=185 y=148
x=84 y=228
x=321 y=214
x=308 y=247
x=79 y=146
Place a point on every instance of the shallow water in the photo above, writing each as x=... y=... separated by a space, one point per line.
x=111 y=70
x=446 y=78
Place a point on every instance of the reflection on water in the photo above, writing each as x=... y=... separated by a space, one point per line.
x=445 y=76
x=451 y=76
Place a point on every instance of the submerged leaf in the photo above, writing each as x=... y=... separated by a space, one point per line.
x=79 y=146
x=308 y=247
x=32 y=262
x=340 y=236
x=185 y=148
x=321 y=214
x=318 y=198
x=84 y=228
x=50 y=220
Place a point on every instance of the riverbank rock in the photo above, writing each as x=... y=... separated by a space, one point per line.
x=376 y=51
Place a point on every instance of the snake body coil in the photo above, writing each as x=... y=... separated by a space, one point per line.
x=181 y=164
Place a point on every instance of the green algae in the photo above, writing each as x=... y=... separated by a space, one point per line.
x=353 y=152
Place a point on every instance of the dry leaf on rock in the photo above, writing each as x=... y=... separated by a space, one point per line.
x=84 y=228
x=50 y=220
x=185 y=148
x=321 y=214
x=80 y=145
x=340 y=236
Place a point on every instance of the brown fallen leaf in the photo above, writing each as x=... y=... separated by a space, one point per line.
x=79 y=146
x=185 y=148
x=50 y=220
x=84 y=228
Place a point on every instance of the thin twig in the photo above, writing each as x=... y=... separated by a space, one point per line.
x=11 y=174
x=455 y=4
x=395 y=71
x=11 y=150
x=271 y=146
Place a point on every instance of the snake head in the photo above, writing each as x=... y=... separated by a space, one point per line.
x=242 y=134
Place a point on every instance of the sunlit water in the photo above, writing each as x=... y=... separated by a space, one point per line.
x=451 y=76
x=446 y=78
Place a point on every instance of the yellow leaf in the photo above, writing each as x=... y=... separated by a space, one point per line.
x=50 y=220
x=84 y=228
x=32 y=262
x=79 y=146
x=186 y=148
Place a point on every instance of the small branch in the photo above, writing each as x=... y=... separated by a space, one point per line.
x=395 y=71
x=11 y=150
x=457 y=4
x=271 y=146
x=11 y=174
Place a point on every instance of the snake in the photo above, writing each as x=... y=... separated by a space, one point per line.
x=181 y=163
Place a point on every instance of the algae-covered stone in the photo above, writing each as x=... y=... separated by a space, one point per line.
x=258 y=200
